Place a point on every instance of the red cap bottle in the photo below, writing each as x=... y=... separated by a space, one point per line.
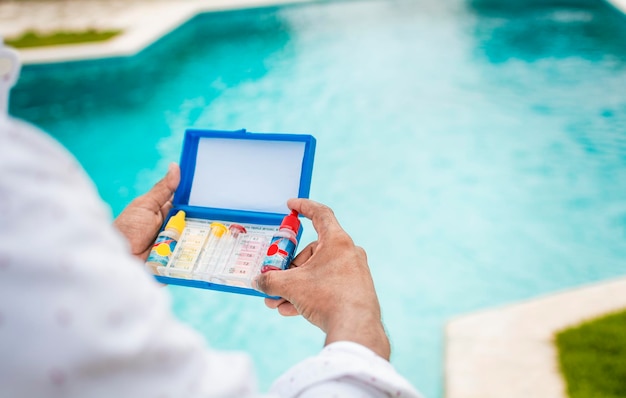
x=283 y=245
x=291 y=222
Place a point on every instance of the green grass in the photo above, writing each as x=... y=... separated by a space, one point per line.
x=34 y=39
x=592 y=357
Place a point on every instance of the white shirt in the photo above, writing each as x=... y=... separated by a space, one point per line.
x=80 y=316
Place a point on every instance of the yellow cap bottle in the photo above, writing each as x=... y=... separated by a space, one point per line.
x=166 y=242
x=177 y=222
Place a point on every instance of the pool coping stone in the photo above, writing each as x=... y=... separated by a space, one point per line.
x=618 y=4
x=510 y=352
x=142 y=23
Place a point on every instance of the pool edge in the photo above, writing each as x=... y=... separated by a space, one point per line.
x=618 y=5
x=508 y=351
x=145 y=32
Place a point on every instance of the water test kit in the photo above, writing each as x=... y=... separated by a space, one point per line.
x=230 y=219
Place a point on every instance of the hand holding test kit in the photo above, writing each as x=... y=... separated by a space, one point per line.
x=229 y=219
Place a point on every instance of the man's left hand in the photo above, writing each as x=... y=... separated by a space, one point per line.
x=142 y=218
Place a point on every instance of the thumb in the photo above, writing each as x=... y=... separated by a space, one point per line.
x=163 y=190
x=275 y=283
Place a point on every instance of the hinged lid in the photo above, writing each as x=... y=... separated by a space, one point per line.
x=236 y=170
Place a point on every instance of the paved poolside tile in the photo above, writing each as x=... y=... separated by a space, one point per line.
x=509 y=351
x=142 y=23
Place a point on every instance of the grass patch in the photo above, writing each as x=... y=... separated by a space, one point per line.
x=592 y=357
x=34 y=39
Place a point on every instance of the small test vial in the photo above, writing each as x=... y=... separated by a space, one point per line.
x=229 y=253
x=166 y=242
x=236 y=231
x=283 y=244
x=212 y=249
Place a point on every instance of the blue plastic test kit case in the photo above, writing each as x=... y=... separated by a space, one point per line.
x=240 y=177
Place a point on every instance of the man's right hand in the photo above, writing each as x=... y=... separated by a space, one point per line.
x=329 y=283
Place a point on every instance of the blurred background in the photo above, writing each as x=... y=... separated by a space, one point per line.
x=475 y=148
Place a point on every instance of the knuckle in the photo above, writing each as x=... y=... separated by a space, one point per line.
x=361 y=253
x=325 y=213
x=344 y=241
x=326 y=210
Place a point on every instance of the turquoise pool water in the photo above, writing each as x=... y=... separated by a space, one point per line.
x=476 y=150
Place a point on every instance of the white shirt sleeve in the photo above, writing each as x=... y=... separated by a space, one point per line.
x=79 y=316
x=343 y=369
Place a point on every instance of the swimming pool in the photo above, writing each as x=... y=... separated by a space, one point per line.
x=475 y=149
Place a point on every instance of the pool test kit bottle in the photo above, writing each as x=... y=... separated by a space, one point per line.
x=232 y=198
x=165 y=243
x=283 y=244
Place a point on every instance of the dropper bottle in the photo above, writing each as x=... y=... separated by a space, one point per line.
x=166 y=242
x=283 y=244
